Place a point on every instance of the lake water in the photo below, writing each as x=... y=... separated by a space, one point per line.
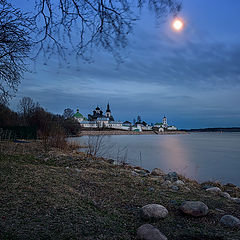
x=200 y=156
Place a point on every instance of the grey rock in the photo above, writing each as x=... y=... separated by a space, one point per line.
x=175 y=188
x=149 y=232
x=157 y=172
x=230 y=221
x=173 y=202
x=207 y=186
x=187 y=189
x=134 y=173
x=179 y=183
x=236 y=200
x=194 y=208
x=151 y=189
x=153 y=212
x=171 y=176
x=225 y=195
x=214 y=190
x=166 y=183
x=111 y=161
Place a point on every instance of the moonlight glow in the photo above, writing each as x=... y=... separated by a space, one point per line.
x=177 y=24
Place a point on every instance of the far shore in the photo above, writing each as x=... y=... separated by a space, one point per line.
x=119 y=132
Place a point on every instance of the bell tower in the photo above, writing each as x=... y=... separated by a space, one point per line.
x=108 y=111
x=165 y=122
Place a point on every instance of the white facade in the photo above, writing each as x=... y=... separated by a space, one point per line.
x=172 y=128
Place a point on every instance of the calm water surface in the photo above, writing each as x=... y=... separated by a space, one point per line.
x=200 y=156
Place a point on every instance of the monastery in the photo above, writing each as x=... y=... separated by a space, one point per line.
x=100 y=120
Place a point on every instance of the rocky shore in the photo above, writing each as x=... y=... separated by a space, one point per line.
x=67 y=195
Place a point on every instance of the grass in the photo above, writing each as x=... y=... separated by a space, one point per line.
x=63 y=195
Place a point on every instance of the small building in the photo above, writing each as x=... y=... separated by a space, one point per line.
x=78 y=116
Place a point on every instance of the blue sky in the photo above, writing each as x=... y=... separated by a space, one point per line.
x=192 y=77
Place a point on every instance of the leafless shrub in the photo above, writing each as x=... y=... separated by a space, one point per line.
x=94 y=145
x=122 y=155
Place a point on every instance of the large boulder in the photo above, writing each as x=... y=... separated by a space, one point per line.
x=230 y=221
x=194 y=208
x=149 y=232
x=171 y=176
x=157 y=172
x=153 y=212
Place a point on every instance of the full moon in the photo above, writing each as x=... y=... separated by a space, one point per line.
x=178 y=24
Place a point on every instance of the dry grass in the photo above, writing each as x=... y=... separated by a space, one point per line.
x=61 y=195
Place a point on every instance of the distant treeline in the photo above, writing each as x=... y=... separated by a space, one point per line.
x=233 y=129
x=32 y=121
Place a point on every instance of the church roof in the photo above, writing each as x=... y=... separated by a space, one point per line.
x=158 y=123
x=78 y=114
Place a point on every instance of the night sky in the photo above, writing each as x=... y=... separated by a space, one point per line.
x=192 y=76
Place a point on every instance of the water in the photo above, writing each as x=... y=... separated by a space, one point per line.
x=200 y=156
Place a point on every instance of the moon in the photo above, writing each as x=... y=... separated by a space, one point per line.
x=177 y=24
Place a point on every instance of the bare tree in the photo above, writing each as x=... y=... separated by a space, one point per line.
x=68 y=113
x=66 y=26
x=26 y=106
x=15 y=45
x=85 y=24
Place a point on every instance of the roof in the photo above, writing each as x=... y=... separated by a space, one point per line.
x=102 y=119
x=158 y=123
x=78 y=114
x=88 y=122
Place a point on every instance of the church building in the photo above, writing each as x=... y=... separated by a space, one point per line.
x=98 y=119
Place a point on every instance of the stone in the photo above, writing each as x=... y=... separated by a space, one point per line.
x=111 y=161
x=225 y=195
x=141 y=172
x=213 y=189
x=151 y=189
x=134 y=173
x=179 y=182
x=207 y=186
x=171 y=176
x=194 y=208
x=77 y=170
x=236 y=200
x=157 y=172
x=149 y=232
x=173 y=202
x=175 y=188
x=153 y=212
x=230 y=221
x=187 y=189
x=166 y=183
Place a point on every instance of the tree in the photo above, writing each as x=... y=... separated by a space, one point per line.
x=95 y=23
x=26 y=106
x=66 y=26
x=15 y=45
x=68 y=113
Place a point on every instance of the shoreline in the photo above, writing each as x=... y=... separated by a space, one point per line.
x=119 y=132
x=89 y=194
